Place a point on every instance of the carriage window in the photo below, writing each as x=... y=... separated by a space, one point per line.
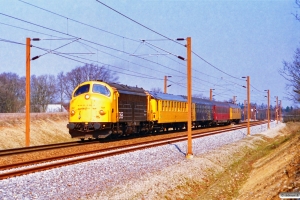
x=101 y=89
x=82 y=89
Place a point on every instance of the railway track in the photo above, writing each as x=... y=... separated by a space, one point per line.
x=22 y=150
x=27 y=167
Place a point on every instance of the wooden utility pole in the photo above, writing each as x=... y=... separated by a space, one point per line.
x=248 y=101
x=245 y=110
x=277 y=109
x=189 y=153
x=234 y=99
x=210 y=94
x=27 y=132
x=280 y=110
x=268 y=109
x=165 y=83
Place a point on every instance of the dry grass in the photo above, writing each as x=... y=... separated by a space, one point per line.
x=227 y=183
x=44 y=129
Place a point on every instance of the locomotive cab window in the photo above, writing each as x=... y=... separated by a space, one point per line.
x=101 y=89
x=82 y=89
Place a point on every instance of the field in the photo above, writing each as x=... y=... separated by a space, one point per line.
x=44 y=129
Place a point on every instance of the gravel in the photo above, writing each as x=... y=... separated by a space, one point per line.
x=141 y=174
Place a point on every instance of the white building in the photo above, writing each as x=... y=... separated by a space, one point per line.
x=55 y=108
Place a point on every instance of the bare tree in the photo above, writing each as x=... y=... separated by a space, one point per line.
x=12 y=92
x=296 y=15
x=291 y=72
x=201 y=96
x=60 y=85
x=157 y=90
x=86 y=73
x=43 y=92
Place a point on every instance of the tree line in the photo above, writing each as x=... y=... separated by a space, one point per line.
x=47 y=89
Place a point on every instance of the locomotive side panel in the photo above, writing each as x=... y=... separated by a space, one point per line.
x=204 y=112
x=221 y=113
x=132 y=108
x=172 y=111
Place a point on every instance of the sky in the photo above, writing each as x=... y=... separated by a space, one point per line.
x=136 y=39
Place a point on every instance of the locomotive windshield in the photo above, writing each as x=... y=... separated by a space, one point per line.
x=82 y=89
x=101 y=89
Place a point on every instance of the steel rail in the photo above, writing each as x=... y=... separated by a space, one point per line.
x=21 y=150
x=97 y=154
x=31 y=149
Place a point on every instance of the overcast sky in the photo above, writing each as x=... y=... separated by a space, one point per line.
x=240 y=38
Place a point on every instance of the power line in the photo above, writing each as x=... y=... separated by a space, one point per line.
x=139 y=23
x=78 y=21
x=54 y=49
x=215 y=66
x=10 y=41
x=57 y=53
x=61 y=32
x=86 y=40
x=122 y=36
x=28 y=30
x=110 y=47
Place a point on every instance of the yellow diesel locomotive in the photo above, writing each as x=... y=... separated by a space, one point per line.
x=99 y=109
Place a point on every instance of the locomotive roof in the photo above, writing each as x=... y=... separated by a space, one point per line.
x=201 y=101
x=163 y=96
x=125 y=89
x=234 y=105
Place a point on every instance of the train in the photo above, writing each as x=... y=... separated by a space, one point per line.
x=99 y=109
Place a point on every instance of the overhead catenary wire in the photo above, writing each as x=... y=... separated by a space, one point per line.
x=105 y=64
x=79 y=22
x=59 y=38
x=139 y=23
x=123 y=36
x=10 y=41
x=134 y=75
x=29 y=30
x=102 y=29
x=215 y=66
x=92 y=42
x=54 y=49
x=193 y=52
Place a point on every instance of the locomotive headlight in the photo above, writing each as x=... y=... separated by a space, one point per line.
x=87 y=96
x=73 y=112
x=102 y=112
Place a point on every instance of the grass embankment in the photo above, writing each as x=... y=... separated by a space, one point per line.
x=44 y=129
x=228 y=183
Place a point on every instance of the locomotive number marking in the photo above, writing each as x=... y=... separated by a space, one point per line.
x=120 y=115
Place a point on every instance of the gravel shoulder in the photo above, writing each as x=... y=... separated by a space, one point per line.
x=208 y=176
